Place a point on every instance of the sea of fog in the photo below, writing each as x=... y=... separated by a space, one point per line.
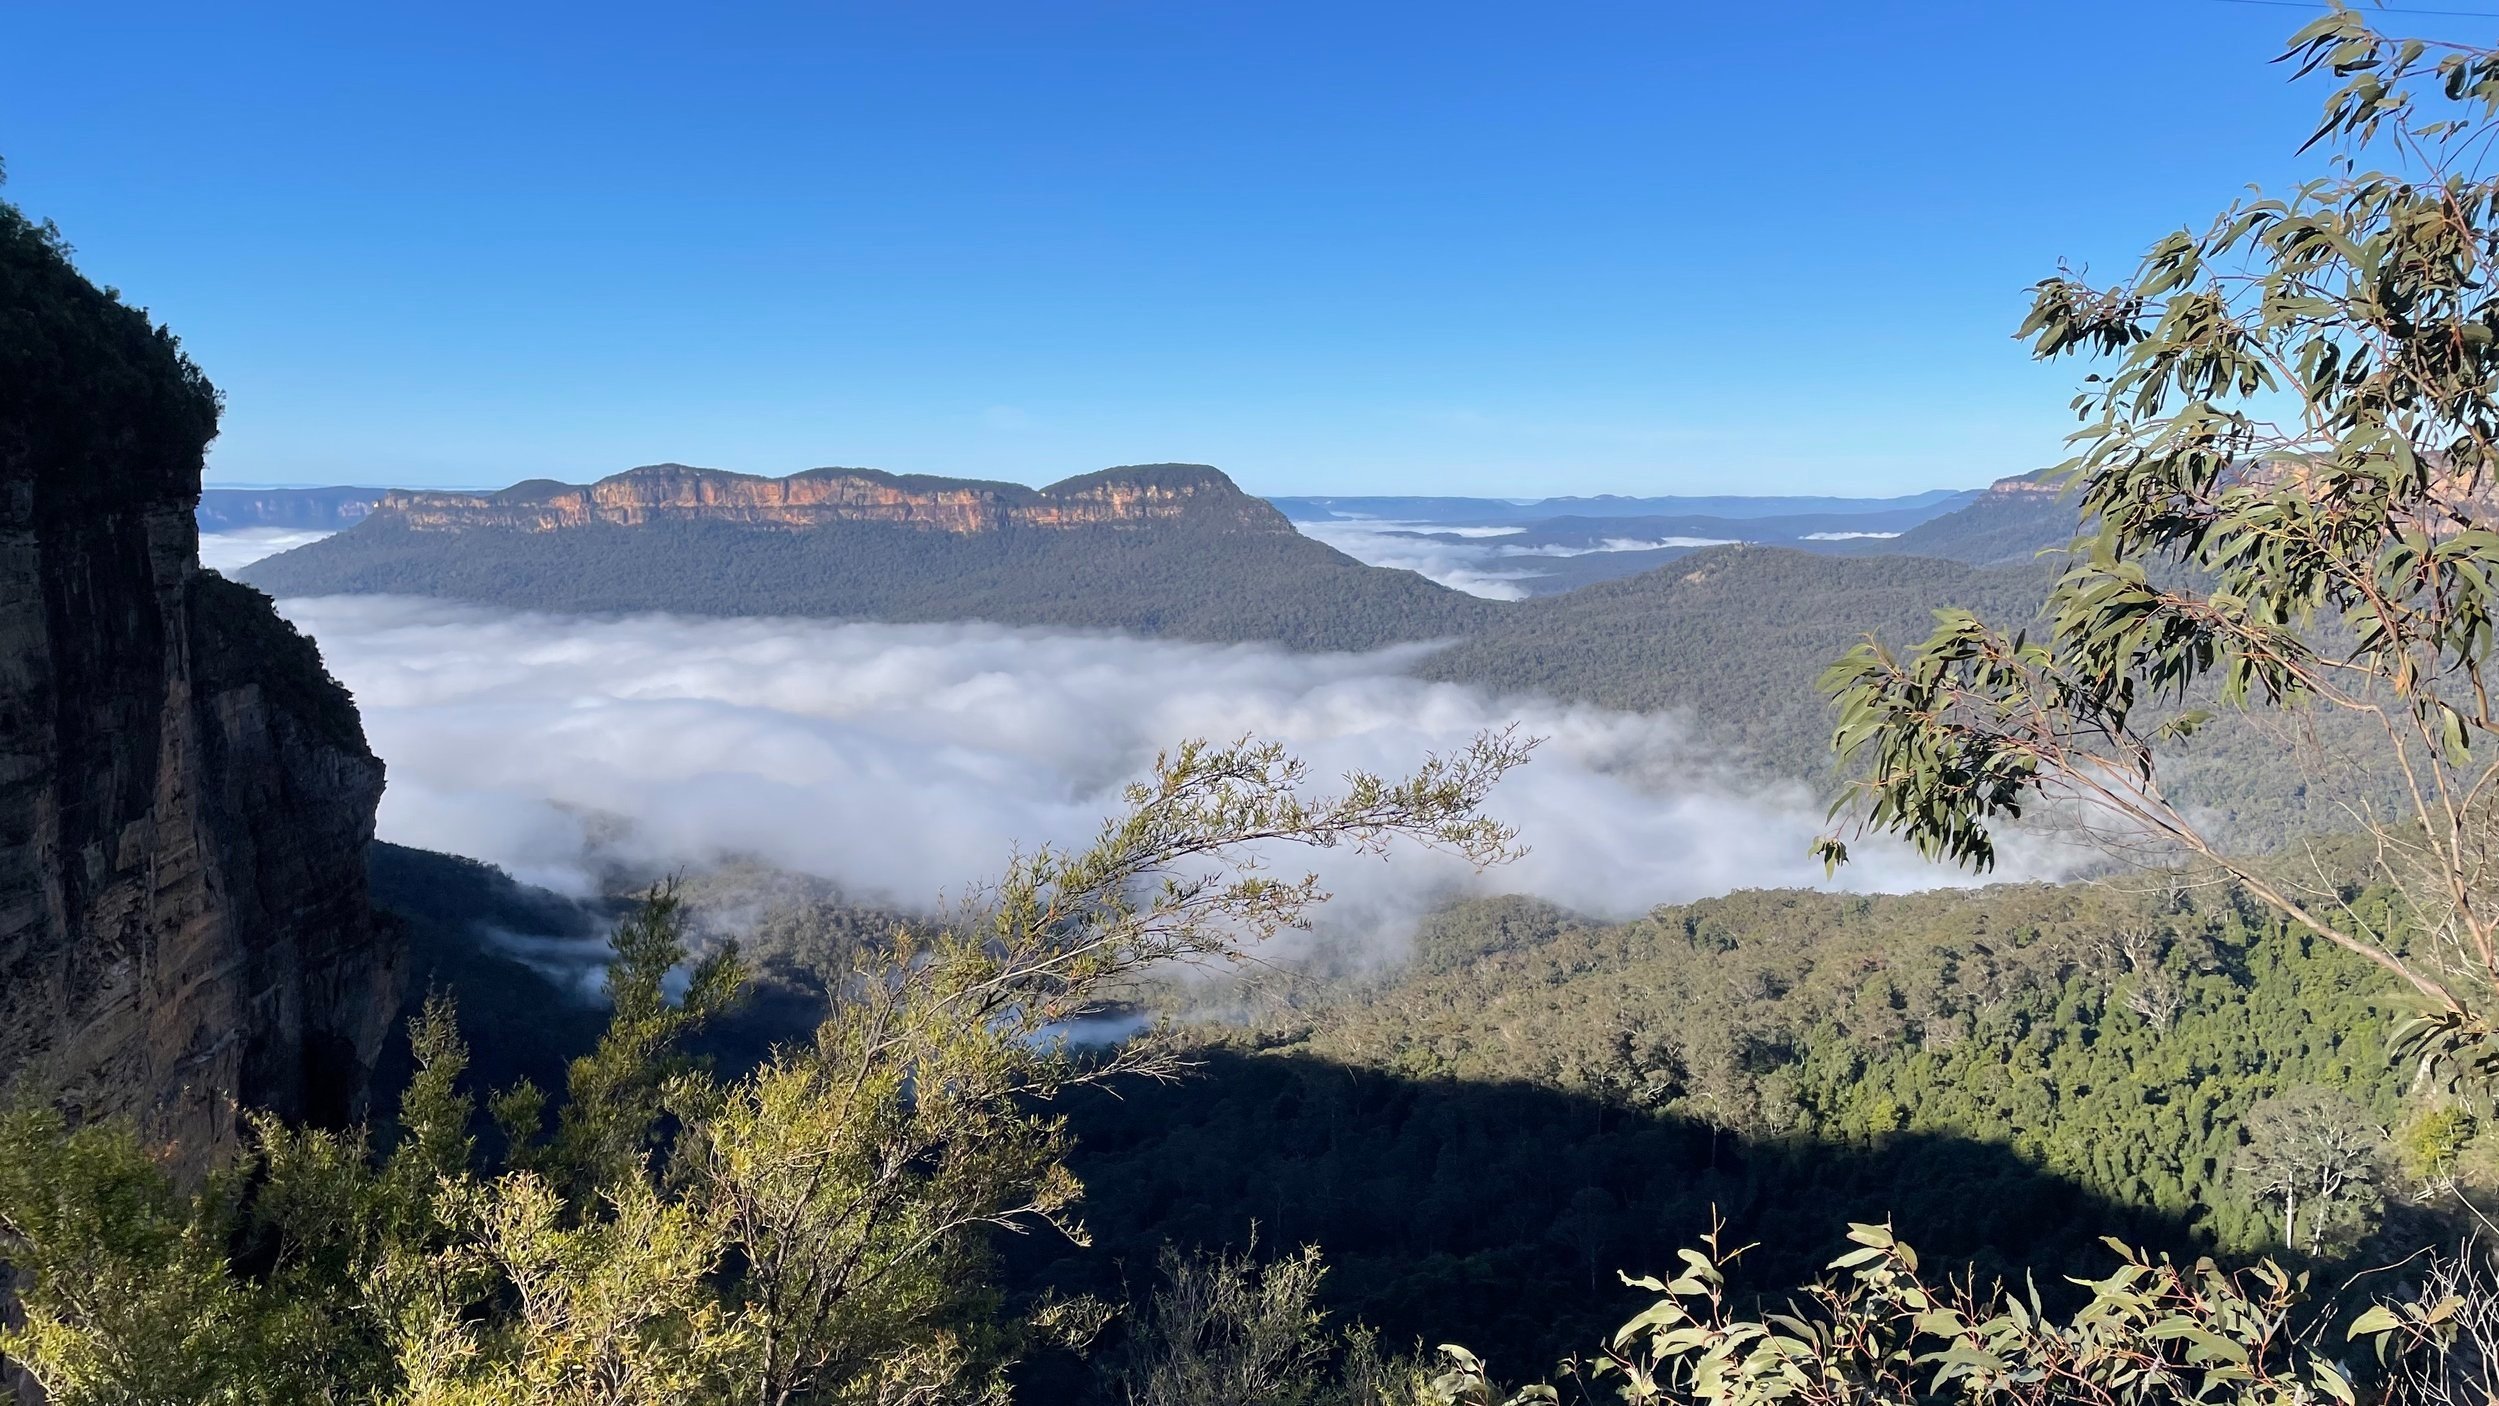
x=906 y=763
x=231 y=551
x=1478 y=563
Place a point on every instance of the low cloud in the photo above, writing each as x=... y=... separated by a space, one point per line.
x=1461 y=566
x=1617 y=544
x=1463 y=531
x=1481 y=565
x=906 y=762
x=232 y=551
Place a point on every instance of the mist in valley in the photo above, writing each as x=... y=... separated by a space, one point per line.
x=232 y=551
x=906 y=763
x=1467 y=558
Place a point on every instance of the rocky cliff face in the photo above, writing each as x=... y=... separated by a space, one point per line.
x=2030 y=486
x=1129 y=497
x=185 y=795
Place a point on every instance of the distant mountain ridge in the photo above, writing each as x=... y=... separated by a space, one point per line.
x=1161 y=549
x=1129 y=496
x=1732 y=636
x=2015 y=520
x=658 y=489
x=293 y=509
x=1171 y=550
x=1491 y=511
x=1556 y=546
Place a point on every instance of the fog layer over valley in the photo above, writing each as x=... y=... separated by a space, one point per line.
x=906 y=763
x=831 y=924
x=1467 y=565
x=232 y=551
x=1474 y=559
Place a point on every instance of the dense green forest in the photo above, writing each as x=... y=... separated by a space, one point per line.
x=1735 y=636
x=1996 y=529
x=1735 y=639
x=1481 y=1140
x=1481 y=1136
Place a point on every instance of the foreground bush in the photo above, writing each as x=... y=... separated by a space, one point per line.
x=1880 y=1330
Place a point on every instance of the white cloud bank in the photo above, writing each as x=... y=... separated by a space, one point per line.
x=906 y=762
x=1482 y=565
x=232 y=551
x=1461 y=566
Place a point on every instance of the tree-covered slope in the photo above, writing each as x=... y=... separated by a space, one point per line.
x=1736 y=636
x=2003 y=526
x=1736 y=639
x=1538 y=1102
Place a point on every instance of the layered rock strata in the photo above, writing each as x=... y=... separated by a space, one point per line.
x=1129 y=497
x=185 y=795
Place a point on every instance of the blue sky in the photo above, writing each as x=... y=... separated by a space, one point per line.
x=1449 y=247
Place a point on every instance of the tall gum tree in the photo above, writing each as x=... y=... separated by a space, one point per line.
x=2285 y=483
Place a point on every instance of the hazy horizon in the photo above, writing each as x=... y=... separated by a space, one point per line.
x=1409 y=249
x=1730 y=490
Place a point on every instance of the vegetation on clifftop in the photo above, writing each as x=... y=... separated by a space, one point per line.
x=134 y=404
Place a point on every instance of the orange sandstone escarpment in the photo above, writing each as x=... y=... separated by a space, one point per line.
x=2458 y=500
x=2031 y=485
x=1168 y=550
x=1126 y=497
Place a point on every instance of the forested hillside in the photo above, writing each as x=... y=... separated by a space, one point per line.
x=1736 y=639
x=1482 y=1135
x=2007 y=1074
x=1736 y=636
x=1999 y=527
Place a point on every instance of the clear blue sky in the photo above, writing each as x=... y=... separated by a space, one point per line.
x=1499 y=249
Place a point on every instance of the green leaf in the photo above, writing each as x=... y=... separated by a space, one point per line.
x=2379 y=1319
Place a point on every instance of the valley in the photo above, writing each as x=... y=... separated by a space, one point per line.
x=1727 y=638
x=1684 y=1014
x=1977 y=934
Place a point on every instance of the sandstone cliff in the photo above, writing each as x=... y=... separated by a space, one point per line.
x=2041 y=483
x=1125 y=497
x=185 y=795
x=1173 y=550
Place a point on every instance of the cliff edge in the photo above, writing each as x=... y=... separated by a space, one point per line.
x=185 y=794
x=1136 y=496
x=1168 y=550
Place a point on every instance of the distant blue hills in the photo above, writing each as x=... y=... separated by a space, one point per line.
x=1935 y=502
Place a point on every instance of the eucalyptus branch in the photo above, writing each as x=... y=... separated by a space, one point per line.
x=2338 y=558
